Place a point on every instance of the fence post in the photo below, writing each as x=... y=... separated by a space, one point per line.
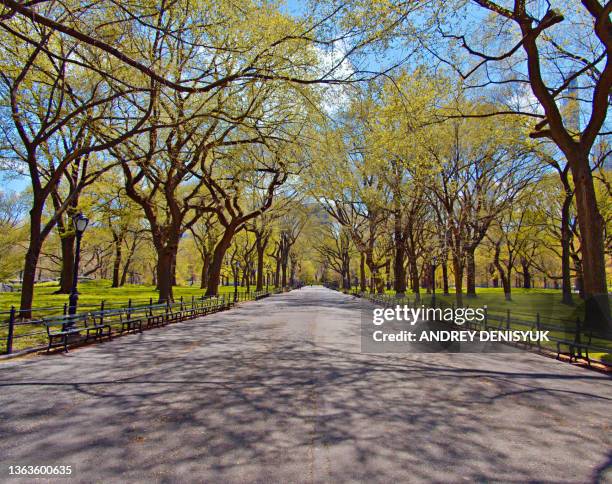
x=181 y=303
x=192 y=302
x=65 y=309
x=11 y=330
x=129 y=313
x=102 y=311
x=150 y=301
x=507 y=319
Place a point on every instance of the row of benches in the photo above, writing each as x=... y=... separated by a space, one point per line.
x=575 y=344
x=65 y=330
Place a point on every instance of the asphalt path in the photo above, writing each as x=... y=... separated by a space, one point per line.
x=278 y=390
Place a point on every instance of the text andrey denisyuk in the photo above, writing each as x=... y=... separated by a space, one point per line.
x=458 y=316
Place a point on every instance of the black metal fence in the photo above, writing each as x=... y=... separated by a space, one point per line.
x=18 y=334
x=571 y=338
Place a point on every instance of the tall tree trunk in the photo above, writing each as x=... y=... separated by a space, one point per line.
x=205 y=270
x=579 y=276
x=66 y=276
x=362 y=272
x=203 y=276
x=414 y=277
x=125 y=272
x=566 y=240
x=117 y=260
x=31 y=261
x=399 y=268
x=284 y=263
x=505 y=277
x=445 y=277
x=173 y=270
x=292 y=273
x=471 y=273
x=259 y=283
x=526 y=273
x=458 y=273
x=507 y=283
x=277 y=273
x=164 y=273
x=346 y=269
x=590 y=221
x=399 y=271
x=214 y=273
x=246 y=278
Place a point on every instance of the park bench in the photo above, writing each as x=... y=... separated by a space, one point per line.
x=187 y=313
x=158 y=319
x=203 y=308
x=261 y=294
x=74 y=326
x=128 y=321
x=581 y=344
x=172 y=315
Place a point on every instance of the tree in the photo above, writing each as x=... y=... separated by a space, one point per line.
x=52 y=111
x=481 y=168
x=335 y=248
x=511 y=238
x=13 y=208
x=206 y=232
x=561 y=55
x=226 y=177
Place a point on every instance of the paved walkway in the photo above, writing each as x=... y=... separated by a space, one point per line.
x=278 y=391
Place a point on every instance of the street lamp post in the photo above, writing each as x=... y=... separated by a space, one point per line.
x=80 y=224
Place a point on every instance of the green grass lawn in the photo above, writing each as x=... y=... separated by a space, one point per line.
x=524 y=307
x=91 y=295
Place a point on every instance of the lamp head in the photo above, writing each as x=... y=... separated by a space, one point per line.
x=80 y=223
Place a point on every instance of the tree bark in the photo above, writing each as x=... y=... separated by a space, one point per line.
x=164 y=274
x=116 y=261
x=31 y=261
x=284 y=263
x=458 y=273
x=566 y=238
x=471 y=273
x=503 y=275
x=261 y=248
x=205 y=270
x=362 y=272
x=66 y=275
x=414 y=278
x=526 y=273
x=445 y=278
x=399 y=268
x=214 y=274
x=590 y=221
x=173 y=269
x=125 y=272
x=277 y=273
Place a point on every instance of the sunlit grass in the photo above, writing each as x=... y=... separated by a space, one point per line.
x=525 y=304
x=91 y=296
x=92 y=293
